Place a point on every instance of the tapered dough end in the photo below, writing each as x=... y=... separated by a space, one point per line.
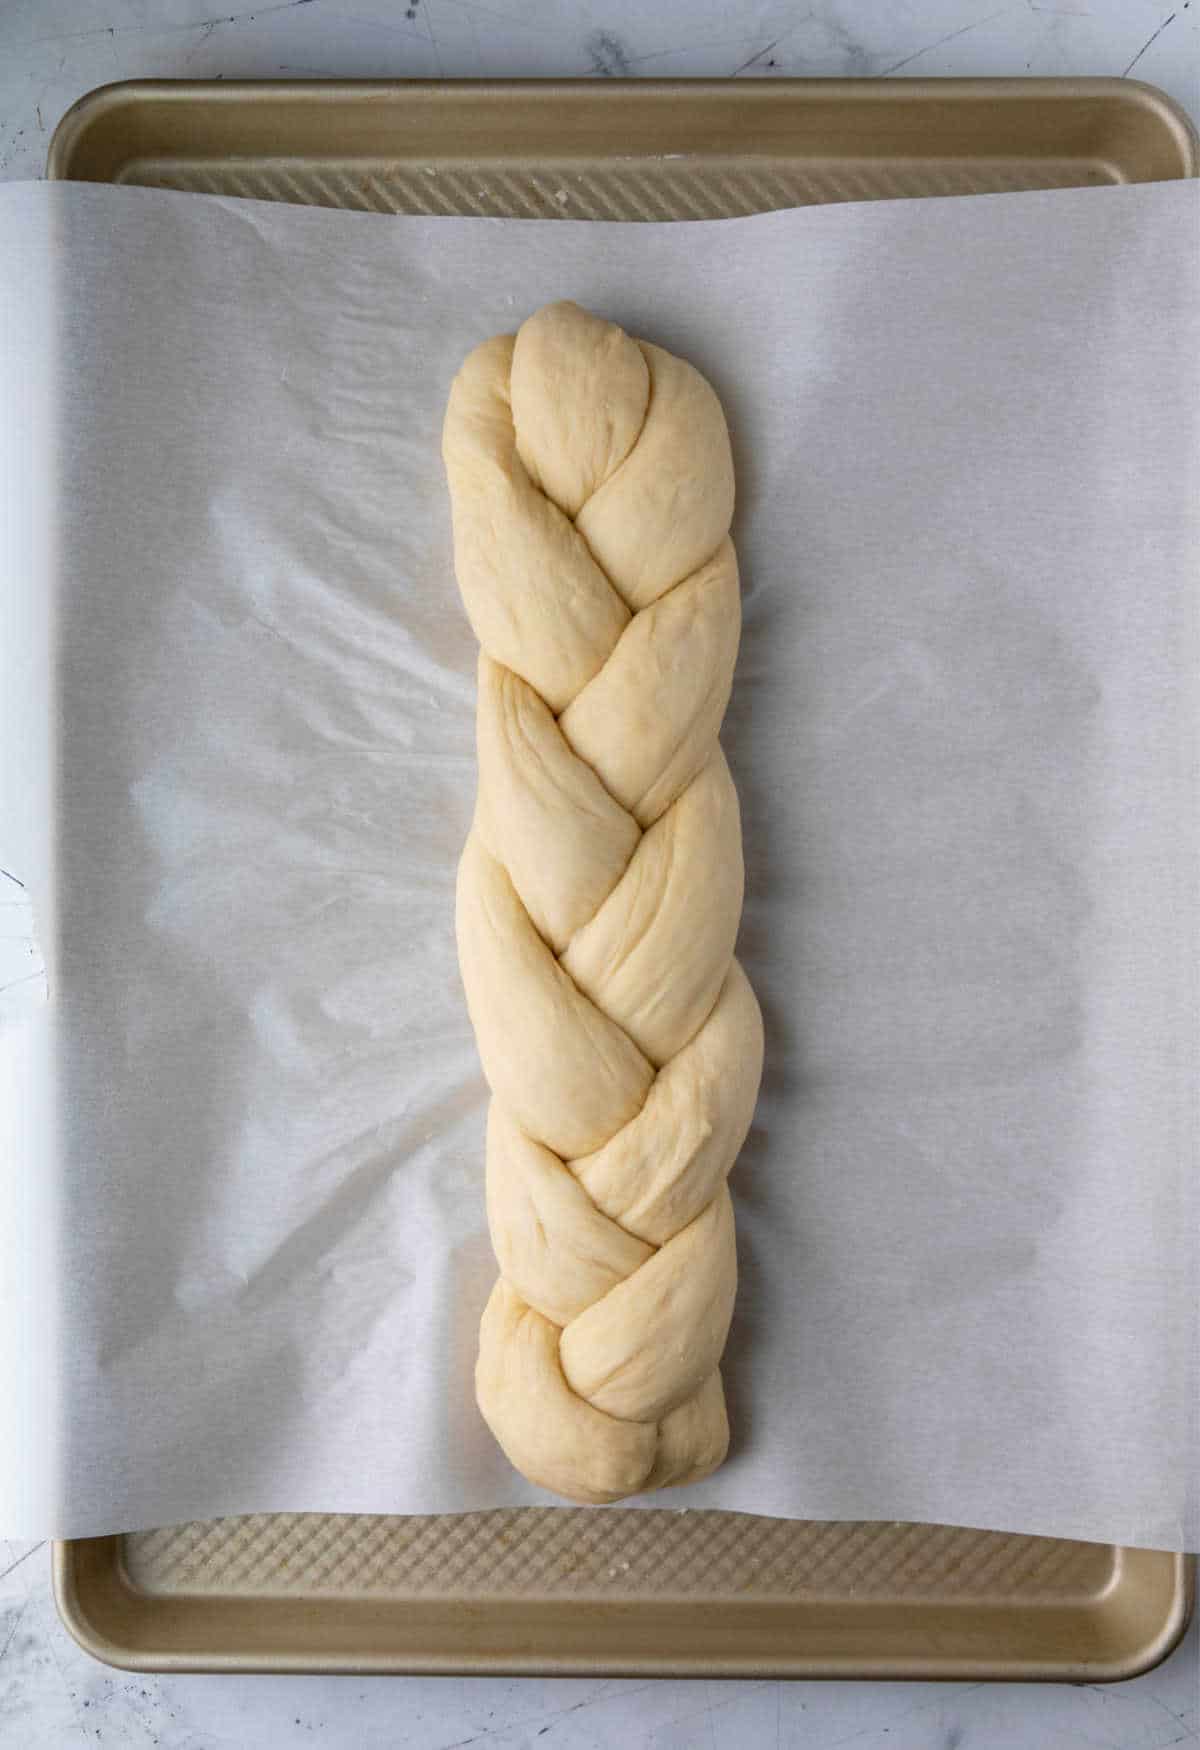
x=555 y=1439
x=534 y=594
x=580 y=389
x=692 y=1440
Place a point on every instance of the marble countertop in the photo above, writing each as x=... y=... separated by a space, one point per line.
x=52 y=1695
x=52 y=51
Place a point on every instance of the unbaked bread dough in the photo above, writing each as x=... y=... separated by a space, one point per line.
x=599 y=894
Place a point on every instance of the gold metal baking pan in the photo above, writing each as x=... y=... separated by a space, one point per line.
x=598 y=1591
x=677 y=149
x=571 y=1591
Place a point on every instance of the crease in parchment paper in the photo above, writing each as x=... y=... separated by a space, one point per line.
x=22 y=965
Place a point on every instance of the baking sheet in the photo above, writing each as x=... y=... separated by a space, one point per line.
x=963 y=732
x=619 y=148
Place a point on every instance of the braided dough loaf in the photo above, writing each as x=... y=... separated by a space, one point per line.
x=599 y=895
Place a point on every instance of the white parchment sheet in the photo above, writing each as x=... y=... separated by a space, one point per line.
x=242 y=1235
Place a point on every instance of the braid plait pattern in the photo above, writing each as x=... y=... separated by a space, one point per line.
x=599 y=896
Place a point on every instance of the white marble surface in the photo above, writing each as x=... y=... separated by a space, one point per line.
x=51 y=51
x=52 y=1695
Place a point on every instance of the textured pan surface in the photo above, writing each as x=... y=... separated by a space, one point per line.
x=606 y=1591
x=551 y=1552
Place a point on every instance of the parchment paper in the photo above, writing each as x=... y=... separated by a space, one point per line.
x=243 y=1241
